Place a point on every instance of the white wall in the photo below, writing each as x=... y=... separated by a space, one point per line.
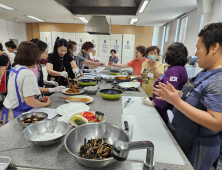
x=158 y=37
x=11 y=30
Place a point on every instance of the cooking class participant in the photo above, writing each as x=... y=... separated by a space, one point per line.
x=176 y=74
x=38 y=69
x=84 y=52
x=198 y=112
x=78 y=59
x=22 y=84
x=136 y=63
x=113 y=58
x=59 y=59
x=151 y=71
x=11 y=47
x=94 y=57
x=5 y=66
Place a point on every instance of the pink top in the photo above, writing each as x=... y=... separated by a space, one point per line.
x=35 y=70
x=94 y=58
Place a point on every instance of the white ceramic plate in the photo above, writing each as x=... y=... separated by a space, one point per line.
x=71 y=107
x=104 y=76
x=74 y=124
x=64 y=91
x=129 y=84
x=81 y=96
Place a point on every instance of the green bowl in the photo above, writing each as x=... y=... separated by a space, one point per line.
x=110 y=97
x=87 y=84
x=114 y=73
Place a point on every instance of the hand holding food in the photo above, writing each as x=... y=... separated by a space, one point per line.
x=56 y=89
x=64 y=74
x=147 y=102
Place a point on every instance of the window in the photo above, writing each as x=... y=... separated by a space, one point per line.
x=167 y=31
x=182 y=29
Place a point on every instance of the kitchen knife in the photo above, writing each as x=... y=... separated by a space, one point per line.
x=129 y=99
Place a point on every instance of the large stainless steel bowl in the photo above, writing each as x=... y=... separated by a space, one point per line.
x=22 y=116
x=48 y=126
x=110 y=133
x=110 y=79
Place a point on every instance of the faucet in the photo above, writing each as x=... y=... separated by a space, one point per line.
x=121 y=150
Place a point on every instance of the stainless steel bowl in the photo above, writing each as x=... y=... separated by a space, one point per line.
x=92 y=89
x=48 y=126
x=98 y=78
x=22 y=116
x=110 y=133
x=110 y=79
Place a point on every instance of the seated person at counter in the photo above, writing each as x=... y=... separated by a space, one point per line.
x=113 y=58
x=11 y=47
x=22 y=85
x=38 y=69
x=197 y=113
x=94 y=57
x=84 y=52
x=136 y=63
x=176 y=74
x=151 y=71
x=78 y=59
x=59 y=59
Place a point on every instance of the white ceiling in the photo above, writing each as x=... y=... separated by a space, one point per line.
x=157 y=13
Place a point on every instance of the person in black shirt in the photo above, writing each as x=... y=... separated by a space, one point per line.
x=59 y=59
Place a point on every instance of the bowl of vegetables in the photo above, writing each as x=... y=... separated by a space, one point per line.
x=86 y=117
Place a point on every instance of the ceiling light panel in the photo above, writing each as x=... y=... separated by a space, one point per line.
x=143 y=7
x=37 y=19
x=7 y=7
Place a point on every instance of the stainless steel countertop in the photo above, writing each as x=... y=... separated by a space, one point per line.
x=55 y=157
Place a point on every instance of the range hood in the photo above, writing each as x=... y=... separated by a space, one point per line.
x=101 y=7
x=98 y=25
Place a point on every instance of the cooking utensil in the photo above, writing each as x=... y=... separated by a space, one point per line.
x=110 y=94
x=74 y=124
x=22 y=116
x=114 y=72
x=99 y=115
x=67 y=78
x=127 y=102
x=92 y=89
x=109 y=79
x=49 y=126
x=87 y=70
x=87 y=82
x=126 y=126
x=75 y=138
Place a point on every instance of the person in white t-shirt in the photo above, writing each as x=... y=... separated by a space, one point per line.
x=94 y=57
x=22 y=84
x=11 y=47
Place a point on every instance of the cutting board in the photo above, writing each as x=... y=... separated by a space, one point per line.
x=138 y=108
x=152 y=129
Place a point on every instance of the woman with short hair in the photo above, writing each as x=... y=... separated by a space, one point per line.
x=84 y=52
x=113 y=58
x=176 y=74
x=22 y=84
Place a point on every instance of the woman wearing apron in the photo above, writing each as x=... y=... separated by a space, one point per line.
x=198 y=110
x=22 y=84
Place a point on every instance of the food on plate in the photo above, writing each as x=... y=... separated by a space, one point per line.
x=75 y=98
x=32 y=119
x=122 y=78
x=73 y=89
x=87 y=117
x=95 y=149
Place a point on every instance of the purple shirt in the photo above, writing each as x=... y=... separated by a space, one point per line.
x=175 y=75
x=114 y=59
